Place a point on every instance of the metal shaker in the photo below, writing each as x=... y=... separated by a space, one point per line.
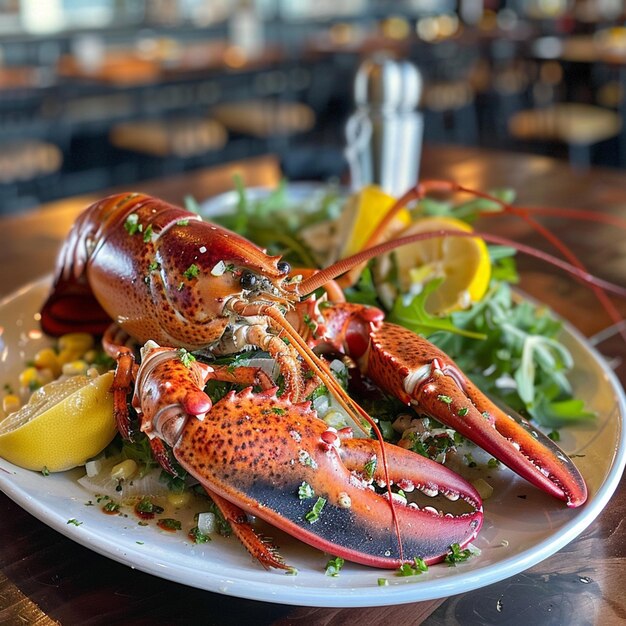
x=384 y=134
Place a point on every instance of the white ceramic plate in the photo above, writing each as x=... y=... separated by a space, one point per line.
x=522 y=526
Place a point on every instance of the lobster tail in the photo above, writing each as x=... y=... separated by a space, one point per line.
x=72 y=307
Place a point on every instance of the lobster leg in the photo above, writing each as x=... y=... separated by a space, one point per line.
x=260 y=547
x=418 y=373
x=117 y=344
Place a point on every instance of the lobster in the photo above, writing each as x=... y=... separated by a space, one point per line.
x=164 y=275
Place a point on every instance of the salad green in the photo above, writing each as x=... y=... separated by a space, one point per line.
x=507 y=345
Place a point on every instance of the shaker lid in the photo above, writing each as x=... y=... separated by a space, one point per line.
x=388 y=83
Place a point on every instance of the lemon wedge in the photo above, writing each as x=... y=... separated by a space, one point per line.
x=462 y=262
x=363 y=213
x=65 y=423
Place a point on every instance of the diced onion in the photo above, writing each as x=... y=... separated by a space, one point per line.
x=207 y=523
x=483 y=487
x=321 y=404
x=94 y=467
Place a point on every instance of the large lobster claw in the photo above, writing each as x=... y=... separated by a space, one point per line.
x=258 y=450
x=420 y=374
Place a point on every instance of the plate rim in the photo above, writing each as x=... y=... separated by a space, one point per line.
x=297 y=595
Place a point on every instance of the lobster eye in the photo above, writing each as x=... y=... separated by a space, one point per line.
x=247 y=280
x=283 y=267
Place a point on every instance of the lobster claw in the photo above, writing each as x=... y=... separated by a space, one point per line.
x=437 y=387
x=278 y=461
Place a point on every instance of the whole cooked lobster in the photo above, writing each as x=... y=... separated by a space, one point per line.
x=181 y=284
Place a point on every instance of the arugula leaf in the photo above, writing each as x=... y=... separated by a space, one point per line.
x=561 y=413
x=411 y=313
x=468 y=211
x=521 y=361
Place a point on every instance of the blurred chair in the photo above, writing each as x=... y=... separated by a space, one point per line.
x=265 y=118
x=577 y=126
x=180 y=138
x=26 y=167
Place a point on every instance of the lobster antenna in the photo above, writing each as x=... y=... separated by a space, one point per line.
x=573 y=214
x=342 y=266
x=560 y=245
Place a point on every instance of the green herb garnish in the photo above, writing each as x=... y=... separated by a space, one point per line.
x=419 y=566
x=185 y=357
x=369 y=469
x=132 y=224
x=305 y=491
x=169 y=523
x=191 y=272
x=314 y=514
x=334 y=565
x=456 y=555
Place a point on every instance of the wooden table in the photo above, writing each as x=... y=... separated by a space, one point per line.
x=46 y=578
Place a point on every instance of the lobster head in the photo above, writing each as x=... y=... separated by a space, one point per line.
x=137 y=254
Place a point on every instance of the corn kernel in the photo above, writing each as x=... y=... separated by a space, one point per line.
x=80 y=342
x=74 y=368
x=179 y=499
x=124 y=470
x=10 y=403
x=91 y=355
x=47 y=358
x=46 y=375
x=68 y=355
x=29 y=378
x=93 y=372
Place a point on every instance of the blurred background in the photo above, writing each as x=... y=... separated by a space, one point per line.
x=110 y=92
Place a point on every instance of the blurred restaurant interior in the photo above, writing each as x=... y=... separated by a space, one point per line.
x=107 y=93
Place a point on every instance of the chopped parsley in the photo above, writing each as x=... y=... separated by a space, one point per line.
x=198 y=537
x=147 y=234
x=111 y=507
x=132 y=224
x=444 y=399
x=334 y=565
x=169 y=523
x=45 y=471
x=456 y=555
x=321 y=390
x=462 y=412
x=191 y=272
x=306 y=459
x=145 y=505
x=186 y=358
x=369 y=469
x=314 y=514
x=305 y=491
x=74 y=521
x=419 y=566
x=306 y=318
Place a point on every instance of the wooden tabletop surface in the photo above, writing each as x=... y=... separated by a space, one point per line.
x=46 y=578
